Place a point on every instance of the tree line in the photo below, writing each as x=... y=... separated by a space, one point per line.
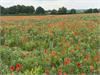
x=30 y=10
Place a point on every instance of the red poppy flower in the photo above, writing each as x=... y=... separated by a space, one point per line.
x=18 y=66
x=79 y=65
x=50 y=25
x=59 y=73
x=82 y=73
x=71 y=51
x=86 y=57
x=45 y=51
x=59 y=70
x=75 y=33
x=77 y=47
x=96 y=58
x=53 y=53
x=66 y=61
x=12 y=68
x=11 y=74
x=91 y=68
x=65 y=73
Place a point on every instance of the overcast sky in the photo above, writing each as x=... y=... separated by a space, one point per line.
x=50 y=4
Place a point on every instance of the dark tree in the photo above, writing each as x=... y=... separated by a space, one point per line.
x=92 y=11
x=40 y=11
x=72 y=11
x=48 y=12
x=62 y=10
x=19 y=9
x=89 y=11
x=95 y=10
x=3 y=10
x=29 y=9
x=54 y=12
x=12 y=10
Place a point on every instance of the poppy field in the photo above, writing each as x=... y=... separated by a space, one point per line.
x=50 y=45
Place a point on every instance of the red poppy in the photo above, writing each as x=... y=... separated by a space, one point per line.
x=59 y=73
x=71 y=51
x=11 y=74
x=12 y=68
x=79 y=65
x=75 y=33
x=91 y=68
x=53 y=53
x=77 y=47
x=59 y=70
x=82 y=73
x=45 y=51
x=96 y=58
x=18 y=66
x=65 y=73
x=86 y=57
x=66 y=61
x=50 y=25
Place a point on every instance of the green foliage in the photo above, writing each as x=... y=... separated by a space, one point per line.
x=72 y=11
x=40 y=11
x=30 y=10
x=17 y=10
x=36 y=71
x=8 y=56
x=92 y=11
x=29 y=45
x=62 y=10
x=45 y=45
x=54 y=12
x=2 y=36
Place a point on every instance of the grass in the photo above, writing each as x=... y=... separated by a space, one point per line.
x=65 y=44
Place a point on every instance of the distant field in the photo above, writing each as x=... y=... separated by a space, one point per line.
x=42 y=17
x=54 y=44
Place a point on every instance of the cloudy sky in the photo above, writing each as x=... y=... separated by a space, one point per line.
x=50 y=4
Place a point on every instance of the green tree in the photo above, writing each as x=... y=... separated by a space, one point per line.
x=12 y=10
x=54 y=12
x=95 y=10
x=62 y=10
x=3 y=10
x=29 y=9
x=40 y=11
x=20 y=9
x=89 y=11
x=72 y=11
